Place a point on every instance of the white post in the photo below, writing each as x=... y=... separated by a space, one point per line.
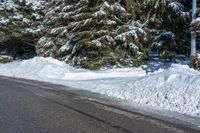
x=193 y=35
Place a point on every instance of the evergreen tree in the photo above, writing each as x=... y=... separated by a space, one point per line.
x=92 y=34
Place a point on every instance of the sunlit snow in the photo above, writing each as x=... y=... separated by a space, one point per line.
x=173 y=88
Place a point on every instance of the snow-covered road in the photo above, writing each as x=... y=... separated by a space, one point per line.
x=171 y=88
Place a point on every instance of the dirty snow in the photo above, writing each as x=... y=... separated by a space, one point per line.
x=172 y=87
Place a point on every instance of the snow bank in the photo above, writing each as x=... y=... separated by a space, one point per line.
x=49 y=68
x=176 y=88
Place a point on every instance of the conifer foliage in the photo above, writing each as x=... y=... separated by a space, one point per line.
x=96 y=33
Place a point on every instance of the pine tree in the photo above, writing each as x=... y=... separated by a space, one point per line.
x=92 y=34
x=19 y=26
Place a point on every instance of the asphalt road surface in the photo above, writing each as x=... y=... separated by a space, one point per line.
x=35 y=107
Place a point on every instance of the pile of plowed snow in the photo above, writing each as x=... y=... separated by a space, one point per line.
x=176 y=88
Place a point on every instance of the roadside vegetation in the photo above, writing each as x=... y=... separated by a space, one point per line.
x=96 y=34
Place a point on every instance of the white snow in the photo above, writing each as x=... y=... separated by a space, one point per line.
x=64 y=48
x=123 y=36
x=97 y=42
x=36 y=4
x=7 y=5
x=99 y=13
x=4 y=20
x=197 y=20
x=176 y=6
x=110 y=22
x=11 y=5
x=175 y=88
x=18 y=17
x=66 y=8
